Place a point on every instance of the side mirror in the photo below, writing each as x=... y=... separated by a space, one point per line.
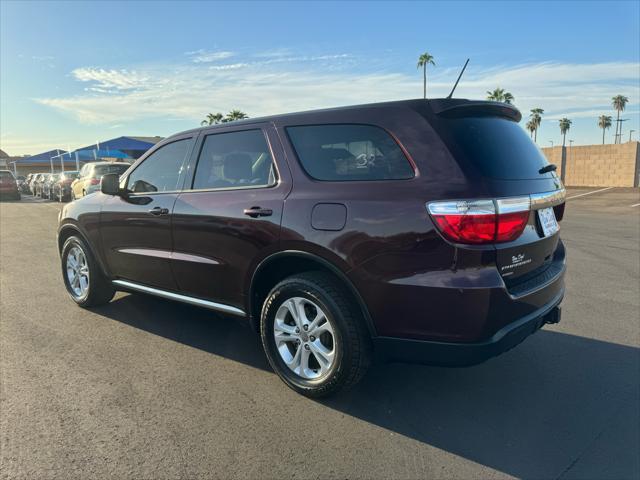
x=110 y=184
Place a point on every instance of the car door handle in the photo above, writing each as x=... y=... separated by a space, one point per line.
x=255 y=212
x=159 y=211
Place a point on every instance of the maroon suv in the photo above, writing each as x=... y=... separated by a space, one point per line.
x=422 y=231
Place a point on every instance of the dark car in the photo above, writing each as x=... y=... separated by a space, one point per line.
x=421 y=231
x=61 y=190
x=8 y=185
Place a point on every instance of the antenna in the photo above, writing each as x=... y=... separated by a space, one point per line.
x=459 y=77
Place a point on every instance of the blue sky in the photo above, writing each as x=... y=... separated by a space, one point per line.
x=72 y=73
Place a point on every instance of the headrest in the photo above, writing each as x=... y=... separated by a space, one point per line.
x=237 y=166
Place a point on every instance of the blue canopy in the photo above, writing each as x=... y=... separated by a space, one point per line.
x=90 y=155
x=44 y=158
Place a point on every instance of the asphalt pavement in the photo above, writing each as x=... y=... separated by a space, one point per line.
x=149 y=389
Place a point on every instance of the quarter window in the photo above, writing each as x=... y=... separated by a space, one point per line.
x=349 y=152
x=234 y=159
x=160 y=171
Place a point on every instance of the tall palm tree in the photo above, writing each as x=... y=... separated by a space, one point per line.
x=500 y=95
x=424 y=60
x=565 y=125
x=531 y=127
x=212 y=119
x=536 y=117
x=619 y=102
x=235 y=115
x=604 y=122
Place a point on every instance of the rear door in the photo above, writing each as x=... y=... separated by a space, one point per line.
x=228 y=217
x=136 y=228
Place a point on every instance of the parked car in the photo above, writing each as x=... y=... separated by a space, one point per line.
x=62 y=188
x=47 y=186
x=88 y=180
x=8 y=185
x=39 y=184
x=421 y=231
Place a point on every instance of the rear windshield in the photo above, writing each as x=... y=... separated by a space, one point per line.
x=101 y=170
x=5 y=174
x=349 y=152
x=497 y=147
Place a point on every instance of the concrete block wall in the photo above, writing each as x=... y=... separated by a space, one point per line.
x=598 y=165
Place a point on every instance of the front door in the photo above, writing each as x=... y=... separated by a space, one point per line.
x=136 y=228
x=228 y=216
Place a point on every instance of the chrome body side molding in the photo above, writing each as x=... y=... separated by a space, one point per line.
x=180 y=298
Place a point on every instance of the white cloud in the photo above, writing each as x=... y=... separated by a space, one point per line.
x=273 y=86
x=203 y=56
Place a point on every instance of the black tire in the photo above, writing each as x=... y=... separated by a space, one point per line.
x=100 y=290
x=351 y=339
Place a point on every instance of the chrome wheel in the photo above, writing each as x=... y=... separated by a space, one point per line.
x=304 y=338
x=77 y=272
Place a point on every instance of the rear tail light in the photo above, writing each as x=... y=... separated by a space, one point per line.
x=481 y=221
x=94 y=181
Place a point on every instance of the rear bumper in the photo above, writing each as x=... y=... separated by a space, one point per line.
x=464 y=354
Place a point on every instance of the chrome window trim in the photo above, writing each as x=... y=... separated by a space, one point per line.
x=180 y=298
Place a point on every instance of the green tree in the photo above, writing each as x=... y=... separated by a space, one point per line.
x=424 y=60
x=499 y=95
x=536 y=118
x=531 y=127
x=212 y=119
x=619 y=102
x=235 y=115
x=604 y=122
x=565 y=125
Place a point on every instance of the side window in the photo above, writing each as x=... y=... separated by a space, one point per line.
x=160 y=172
x=234 y=159
x=349 y=152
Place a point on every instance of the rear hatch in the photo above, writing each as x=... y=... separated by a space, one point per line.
x=519 y=215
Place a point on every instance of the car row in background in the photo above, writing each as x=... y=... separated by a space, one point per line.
x=64 y=186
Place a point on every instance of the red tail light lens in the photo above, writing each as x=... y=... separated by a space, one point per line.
x=481 y=221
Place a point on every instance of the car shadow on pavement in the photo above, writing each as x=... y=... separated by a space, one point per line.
x=558 y=405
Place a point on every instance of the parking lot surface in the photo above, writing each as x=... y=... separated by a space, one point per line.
x=146 y=388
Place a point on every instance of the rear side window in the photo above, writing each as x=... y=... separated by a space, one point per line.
x=349 y=153
x=5 y=174
x=499 y=148
x=233 y=160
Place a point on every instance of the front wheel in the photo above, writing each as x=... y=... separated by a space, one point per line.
x=85 y=282
x=314 y=335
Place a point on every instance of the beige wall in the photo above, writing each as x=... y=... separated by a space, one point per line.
x=598 y=165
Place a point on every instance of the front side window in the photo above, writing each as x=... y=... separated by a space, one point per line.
x=160 y=171
x=234 y=159
x=349 y=152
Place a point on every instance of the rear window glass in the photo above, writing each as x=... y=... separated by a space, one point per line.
x=497 y=147
x=116 y=168
x=5 y=174
x=349 y=152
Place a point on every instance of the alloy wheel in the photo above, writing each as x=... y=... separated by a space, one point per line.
x=77 y=272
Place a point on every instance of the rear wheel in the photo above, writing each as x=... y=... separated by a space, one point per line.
x=314 y=335
x=85 y=282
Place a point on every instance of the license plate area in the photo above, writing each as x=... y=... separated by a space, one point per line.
x=548 y=222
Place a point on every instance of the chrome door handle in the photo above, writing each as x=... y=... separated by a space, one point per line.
x=255 y=212
x=159 y=211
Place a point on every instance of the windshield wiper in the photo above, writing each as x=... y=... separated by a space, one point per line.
x=549 y=168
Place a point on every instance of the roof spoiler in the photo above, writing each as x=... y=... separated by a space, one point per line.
x=455 y=108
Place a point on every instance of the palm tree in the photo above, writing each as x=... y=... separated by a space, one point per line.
x=235 y=115
x=212 y=119
x=424 y=60
x=531 y=127
x=604 y=122
x=499 y=95
x=536 y=117
x=565 y=125
x=619 y=102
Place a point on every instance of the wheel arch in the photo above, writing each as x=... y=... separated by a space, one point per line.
x=280 y=265
x=69 y=230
